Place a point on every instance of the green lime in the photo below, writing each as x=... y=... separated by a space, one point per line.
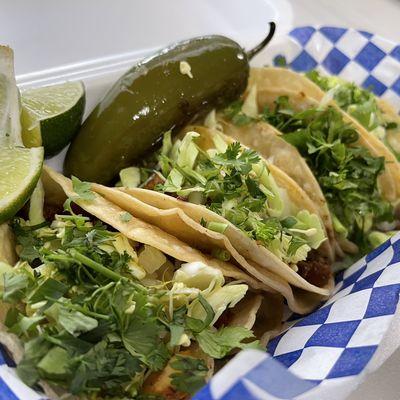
x=52 y=115
x=20 y=170
x=4 y=100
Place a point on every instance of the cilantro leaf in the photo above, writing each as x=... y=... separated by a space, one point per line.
x=191 y=374
x=104 y=366
x=72 y=321
x=34 y=351
x=49 y=288
x=83 y=192
x=82 y=189
x=142 y=338
x=234 y=113
x=197 y=325
x=238 y=158
x=26 y=238
x=218 y=344
x=125 y=216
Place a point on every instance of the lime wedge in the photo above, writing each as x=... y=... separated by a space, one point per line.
x=4 y=102
x=20 y=170
x=52 y=115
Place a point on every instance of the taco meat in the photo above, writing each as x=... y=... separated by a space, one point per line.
x=315 y=269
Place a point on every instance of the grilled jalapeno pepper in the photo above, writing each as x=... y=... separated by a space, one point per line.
x=162 y=92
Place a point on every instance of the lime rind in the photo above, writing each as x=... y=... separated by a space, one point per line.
x=20 y=170
x=52 y=115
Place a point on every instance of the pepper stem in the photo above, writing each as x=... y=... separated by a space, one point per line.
x=251 y=53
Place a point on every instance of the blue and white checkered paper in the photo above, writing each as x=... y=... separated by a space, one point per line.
x=322 y=355
x=325 y=354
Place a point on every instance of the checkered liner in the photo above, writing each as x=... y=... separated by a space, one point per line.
x=323 y=355
x=327 y=348
x=358 y=56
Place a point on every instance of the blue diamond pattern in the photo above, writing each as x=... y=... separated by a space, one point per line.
x=376 y=252
x=366 y=34
x=396 y=252
x=316 y=318
x=270 y=372
x=289 y=359
x=351 y=361
x=335 y=61
x=395 y=53
x=303 y=35
x=5 y=358
x=396 y=87
x=374 y=85
x=370 y=56
x=273 y=344
x=353 y=277
x=335 y=334
x=383 y=301
x=332 y=33
x=6 y=392
x=303 y=62
x=239 y=391
x=366 y=283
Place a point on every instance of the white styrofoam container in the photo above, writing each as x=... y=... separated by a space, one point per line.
x=96 y=40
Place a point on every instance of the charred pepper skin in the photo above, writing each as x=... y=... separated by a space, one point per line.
x=153 y=97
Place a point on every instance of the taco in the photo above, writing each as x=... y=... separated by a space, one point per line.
x=354 y=170
x=223 y=195
x=101 y=304
x=274 y=82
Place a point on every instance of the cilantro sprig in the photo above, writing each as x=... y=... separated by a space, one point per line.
x=89 y=326
x=235 y=183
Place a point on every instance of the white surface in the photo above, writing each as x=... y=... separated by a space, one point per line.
x=62 y=43
x=90 y=30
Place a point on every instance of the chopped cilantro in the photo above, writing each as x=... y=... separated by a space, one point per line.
x=88 y=325
x=360 y=103
x=234 y=112
x=235 y=183
x=347 y=173
x=82 y=189
x=190 y=374
x=125 y=217
x=218 y=344
x=83 y=192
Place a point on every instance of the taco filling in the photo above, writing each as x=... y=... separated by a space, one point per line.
x=235 y=182
x=101 y=315
x=347 y=173
x=362 y=105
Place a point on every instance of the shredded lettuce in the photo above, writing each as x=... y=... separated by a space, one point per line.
x=376 y=238
x=250 y=105
x=236 y=183
x=199 y=275
x=130 y=177
x=219 y=299
x=211 y=283
x=358 y=102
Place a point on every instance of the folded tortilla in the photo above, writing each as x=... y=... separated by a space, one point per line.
x=183 y=221
x=274 y=82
